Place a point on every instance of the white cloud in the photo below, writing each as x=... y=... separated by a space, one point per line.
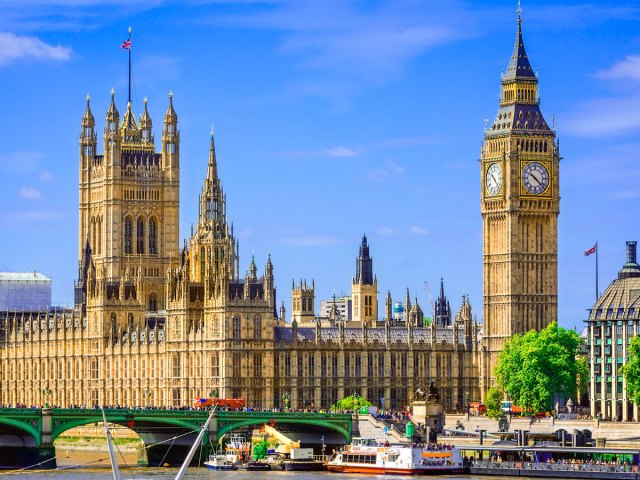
x=604 y=117
x=341 y=152
x=612 y=115
x=627 y=69
x=46 y=176
x=385 y=231
x=418 y=231
x=30 y=193
x=14 y=47
x=380 y=174
x=349 y=44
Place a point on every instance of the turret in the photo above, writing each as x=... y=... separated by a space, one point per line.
x=442 y=308
x=388 y=315
x=171 y=140
x=146 y=132
x=87 y=137
x=111 y=133
x=253 y=270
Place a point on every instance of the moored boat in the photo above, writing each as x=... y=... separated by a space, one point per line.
x=220 y=462
x=364 y=455
x=255 y=466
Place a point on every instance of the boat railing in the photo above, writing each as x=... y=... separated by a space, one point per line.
x=581 y=467
x=552 y=467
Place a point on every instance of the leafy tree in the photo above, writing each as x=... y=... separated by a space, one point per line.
x=352 y=402
x=494 y=402
x=533 y=367
x=631 y=370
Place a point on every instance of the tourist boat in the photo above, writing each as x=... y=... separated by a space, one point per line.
x=364 y=455
x=220 y=462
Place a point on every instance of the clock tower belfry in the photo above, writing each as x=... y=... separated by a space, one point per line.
x=520 y=202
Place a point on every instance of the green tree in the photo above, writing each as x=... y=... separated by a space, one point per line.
x=533 y=367
x=352 y=402
x=494 y=402
x=631 y=371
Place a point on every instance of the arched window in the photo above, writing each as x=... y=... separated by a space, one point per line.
x=99 y=239
x=153 y=303
x=140 y=236
x=257 y=327
x=235 y=328
x=152 y=236
x=127 y=236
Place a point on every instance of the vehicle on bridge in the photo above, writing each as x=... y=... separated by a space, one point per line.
x=221 y=403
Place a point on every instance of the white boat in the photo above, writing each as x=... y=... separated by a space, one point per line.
x=220 y=462
x=365 y=455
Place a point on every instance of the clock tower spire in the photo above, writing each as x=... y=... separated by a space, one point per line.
x=520 y=200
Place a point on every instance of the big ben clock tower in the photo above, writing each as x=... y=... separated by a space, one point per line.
x=520 y=202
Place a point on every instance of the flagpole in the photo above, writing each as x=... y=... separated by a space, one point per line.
x=129 y=66
x=597 y=293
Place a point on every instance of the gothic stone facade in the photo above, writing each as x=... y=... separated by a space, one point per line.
x=156 y=324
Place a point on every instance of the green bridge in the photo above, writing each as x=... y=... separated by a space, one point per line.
x=27 y=434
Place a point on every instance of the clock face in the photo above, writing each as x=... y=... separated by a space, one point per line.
x=535 y=178
x=493 y=179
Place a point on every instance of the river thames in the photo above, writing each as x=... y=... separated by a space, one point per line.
x=204 y=474
x=95 y=466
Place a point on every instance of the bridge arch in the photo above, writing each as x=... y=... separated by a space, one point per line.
x=120 y=419
x=246 y=422
x=21 y=426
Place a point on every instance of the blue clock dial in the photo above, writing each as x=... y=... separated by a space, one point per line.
x=535 y=178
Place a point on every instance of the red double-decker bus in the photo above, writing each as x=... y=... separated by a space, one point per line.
x=224 y=403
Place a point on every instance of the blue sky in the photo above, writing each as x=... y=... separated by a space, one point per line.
x=332 y=118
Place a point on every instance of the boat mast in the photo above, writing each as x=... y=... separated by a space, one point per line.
x=194 y=447
x=112 y=455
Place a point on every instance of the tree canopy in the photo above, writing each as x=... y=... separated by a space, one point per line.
x=631 y=371
x=494 y=403
x=533 y=367
x=352 y=402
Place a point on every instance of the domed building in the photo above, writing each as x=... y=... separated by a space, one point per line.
x=612 y=322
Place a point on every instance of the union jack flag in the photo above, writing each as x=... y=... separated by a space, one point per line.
x=126 y=45
x=590 y=251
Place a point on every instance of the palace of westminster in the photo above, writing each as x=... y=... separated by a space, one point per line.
x=157 y=323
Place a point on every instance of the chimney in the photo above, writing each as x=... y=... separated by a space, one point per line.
x=631 y=251
x=631 y=269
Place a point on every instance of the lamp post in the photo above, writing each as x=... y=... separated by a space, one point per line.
x=286 y=396
x=466 y=398
x=45 y=393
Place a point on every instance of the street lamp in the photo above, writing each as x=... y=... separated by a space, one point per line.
x=45 y=393
x=286 y=396
x=466 y=397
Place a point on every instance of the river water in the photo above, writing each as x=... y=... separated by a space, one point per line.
x=95 y=465
x=78 y=465
x=204 y=474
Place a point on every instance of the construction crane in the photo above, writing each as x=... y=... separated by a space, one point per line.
x=433 y=305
